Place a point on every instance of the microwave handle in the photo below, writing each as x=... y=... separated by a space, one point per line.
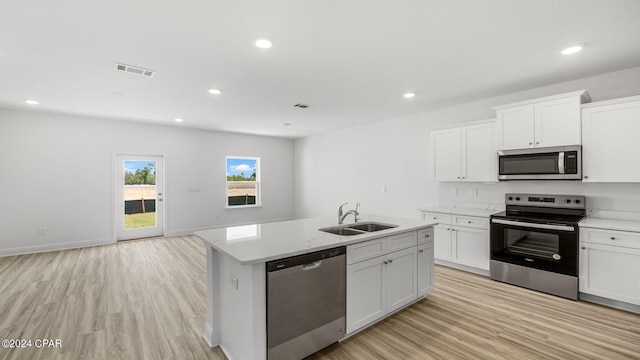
x=561 y=162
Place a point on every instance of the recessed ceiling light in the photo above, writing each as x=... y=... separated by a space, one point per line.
x=409 y=95
x=263 y=43
x=287 y=124
x=31 y=102
x=572 y=49
x=215 y=91
x=177 y=120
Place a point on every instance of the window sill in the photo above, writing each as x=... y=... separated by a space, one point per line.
x=243 y=206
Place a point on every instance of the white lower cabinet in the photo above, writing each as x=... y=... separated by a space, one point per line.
x=460 y=239
x=380 y=285
x=470 y=247
x=610 y=264
x=425 y=268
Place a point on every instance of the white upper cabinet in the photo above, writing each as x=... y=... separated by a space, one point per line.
x=610 y=141
x=544 y=122
x=464 y=153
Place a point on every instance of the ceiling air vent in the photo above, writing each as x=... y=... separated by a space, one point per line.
x=303 y=106
x=135 y=70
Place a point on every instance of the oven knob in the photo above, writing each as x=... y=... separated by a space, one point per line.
x=568 y=201
x=510 y=197
x=518 y=198
x=577 y=201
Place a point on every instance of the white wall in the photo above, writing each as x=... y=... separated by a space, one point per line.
x=57 y=172
x=353 y=164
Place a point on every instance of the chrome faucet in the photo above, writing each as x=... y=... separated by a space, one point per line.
x=341 y=216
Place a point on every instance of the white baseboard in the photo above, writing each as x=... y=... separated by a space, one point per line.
x=55 y=247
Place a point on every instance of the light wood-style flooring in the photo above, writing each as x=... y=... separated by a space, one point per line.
x=145 y=299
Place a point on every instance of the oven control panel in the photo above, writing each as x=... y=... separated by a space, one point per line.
x=559 y=201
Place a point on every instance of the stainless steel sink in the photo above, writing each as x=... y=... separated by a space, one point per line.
x=342 y=230
x=371 y=226
x=357 y=229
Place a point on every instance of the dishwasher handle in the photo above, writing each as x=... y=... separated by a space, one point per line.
x=311 y=266
x=307 y=261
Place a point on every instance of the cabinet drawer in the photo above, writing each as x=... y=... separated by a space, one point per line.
x=439 y=217
x=470 y=221
x=366 y=250
x=611 y=237
x=402 y=241
x=425 y=235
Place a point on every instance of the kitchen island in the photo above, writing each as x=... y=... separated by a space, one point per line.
x=236 y=273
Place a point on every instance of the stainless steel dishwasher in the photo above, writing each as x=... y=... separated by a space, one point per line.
x=306 y=303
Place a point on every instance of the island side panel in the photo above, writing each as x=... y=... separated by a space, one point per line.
x=212 y=330
x=243 y=325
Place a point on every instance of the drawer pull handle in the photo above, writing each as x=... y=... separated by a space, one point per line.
x=613 y=238
x=426 y=235
x=469 y=222
x=420 y=251
x=385 y=262
x=583 y=248
x=435 y=218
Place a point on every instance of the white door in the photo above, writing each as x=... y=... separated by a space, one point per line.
x=478 y=154
x=366 y=293
x=425 y=268
x=445 y=152
x=442 y=242
x=402 y=285
x=139 y=193
x=470 y=247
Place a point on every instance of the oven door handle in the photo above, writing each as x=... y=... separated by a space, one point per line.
x=533 y=225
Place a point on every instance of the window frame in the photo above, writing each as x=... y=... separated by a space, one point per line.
x=256 y=183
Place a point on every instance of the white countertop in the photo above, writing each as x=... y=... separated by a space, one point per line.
x=461 y=211
x=256 y=243
x=610 y=224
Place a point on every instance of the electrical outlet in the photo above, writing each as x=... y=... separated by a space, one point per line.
x=383 y=189
x=234 y=282
x=474 y=192
x=42 y=231
x=454 y=192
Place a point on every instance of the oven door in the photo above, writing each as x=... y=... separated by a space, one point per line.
x=541 y=246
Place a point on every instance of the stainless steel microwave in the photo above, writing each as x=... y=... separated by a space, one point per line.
x=551 y=163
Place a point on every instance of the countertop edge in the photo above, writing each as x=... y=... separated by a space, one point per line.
x=340 y=241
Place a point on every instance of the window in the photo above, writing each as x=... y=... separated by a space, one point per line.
x=243 y=181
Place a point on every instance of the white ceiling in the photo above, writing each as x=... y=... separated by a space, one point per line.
x=352 y=59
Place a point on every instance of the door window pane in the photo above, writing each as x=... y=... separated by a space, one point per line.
x=139 y=194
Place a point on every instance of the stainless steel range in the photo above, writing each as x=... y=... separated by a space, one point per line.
x=534 y=243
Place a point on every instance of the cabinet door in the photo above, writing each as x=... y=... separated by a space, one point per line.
x=366 y=292
x=557 y=122
x=402 y=282
x=478 y=153
x=425 y=268
x=611 y=272
x=442 y=242
x=445 y=154
x=516 y=127
x=610 y=143
x=470 y=247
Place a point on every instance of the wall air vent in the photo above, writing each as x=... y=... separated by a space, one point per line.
x=303 y=106
x=135 y=70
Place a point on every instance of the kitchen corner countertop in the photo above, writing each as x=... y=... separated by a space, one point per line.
x=257 y=243
x=610 y=224
x=461 y=211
